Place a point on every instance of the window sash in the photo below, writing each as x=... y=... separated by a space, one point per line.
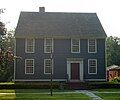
x=92 y=70
x=29 y=66
x=30 y=45
x=92 y=46
x=75 y=46
x=47 y=66
x=29 y=70
x=48 y=45
x=92 y=66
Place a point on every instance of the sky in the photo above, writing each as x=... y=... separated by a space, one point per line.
x=108 y=11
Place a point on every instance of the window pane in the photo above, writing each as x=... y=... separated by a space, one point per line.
x=48 y=41
x=91 y=48
x=75 y=49
x=30 y=41
x=29 y=62
x=92 y=63
x=47 y=62
x=92 y=70
x=48 y=48
x=29 y=70
x=91 y=42
x=75 y=42
x=47 y=69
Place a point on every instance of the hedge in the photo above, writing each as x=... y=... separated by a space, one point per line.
x=32 y=86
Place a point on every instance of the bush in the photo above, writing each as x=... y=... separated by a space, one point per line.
x=116 y=79
x=31 y=86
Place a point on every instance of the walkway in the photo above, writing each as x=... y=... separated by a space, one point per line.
x=90 y=94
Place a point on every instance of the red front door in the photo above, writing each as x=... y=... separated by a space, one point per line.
x=75 y=71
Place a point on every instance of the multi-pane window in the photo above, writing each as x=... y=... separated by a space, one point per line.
x=75 y=45
x=29 y=66
x=92 y=66
x=47 y=66
x=29 y=45
x=48 y=45
x=92 y=46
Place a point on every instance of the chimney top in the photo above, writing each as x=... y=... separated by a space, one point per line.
x=41 y=9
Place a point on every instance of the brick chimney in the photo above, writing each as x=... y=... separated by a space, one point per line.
x=41 y=9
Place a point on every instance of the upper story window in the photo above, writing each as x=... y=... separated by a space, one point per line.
x=29 y=45
x=75 y=45
x=48 y=45
x=92 y=46
x=47 y=66
x=92 y=66
x=29 y=66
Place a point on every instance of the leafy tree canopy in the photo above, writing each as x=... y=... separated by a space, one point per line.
x=113 y=51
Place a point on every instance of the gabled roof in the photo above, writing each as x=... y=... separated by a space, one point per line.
x=57 y=24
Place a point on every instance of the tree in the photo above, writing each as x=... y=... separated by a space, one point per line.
x=7 y=57
x=113 y=51
x=6 y=52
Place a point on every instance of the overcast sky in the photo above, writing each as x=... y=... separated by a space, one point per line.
x=108 y=11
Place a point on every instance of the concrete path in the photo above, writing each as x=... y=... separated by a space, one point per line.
x=90 y=94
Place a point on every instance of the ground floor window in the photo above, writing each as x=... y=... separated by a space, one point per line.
x=29 y=66
x=47 y=66
x=92 y=66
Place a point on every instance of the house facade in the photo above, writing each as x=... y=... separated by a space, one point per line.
x=72 y=44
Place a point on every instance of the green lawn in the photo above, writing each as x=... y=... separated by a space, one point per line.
x=107 y=90
x=108 y=96
x=41 y=94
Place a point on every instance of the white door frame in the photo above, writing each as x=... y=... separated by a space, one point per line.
x=80 y=70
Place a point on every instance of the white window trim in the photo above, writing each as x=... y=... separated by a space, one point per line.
x=45 y=45
x=33 y=66
x=50 y=66
x=26 y=46
x=89 y=66
x=95 y=46
x=72 y=46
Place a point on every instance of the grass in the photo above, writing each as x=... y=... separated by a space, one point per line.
x=6 y=83
x=41 y=94
x=32 y=90
x=69 y=96
x=107 y=90
x=109 y=96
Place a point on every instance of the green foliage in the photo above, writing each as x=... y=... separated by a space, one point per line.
x=6 y=65
x=116 y=80
x=2 y=29
x=113 y=51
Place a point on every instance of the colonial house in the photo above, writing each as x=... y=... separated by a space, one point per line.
x=71 y=44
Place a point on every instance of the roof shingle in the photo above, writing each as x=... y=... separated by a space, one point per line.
x=55 y=24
